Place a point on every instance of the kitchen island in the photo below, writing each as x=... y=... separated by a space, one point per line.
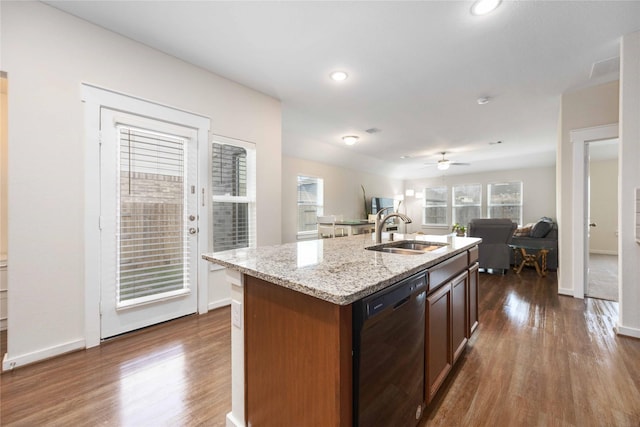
x=292 y=342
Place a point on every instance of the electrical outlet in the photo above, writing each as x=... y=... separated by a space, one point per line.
x=236 y=314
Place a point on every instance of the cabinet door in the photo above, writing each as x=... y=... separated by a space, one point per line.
x=438 y=341
x=459 y=314
x=473 y=317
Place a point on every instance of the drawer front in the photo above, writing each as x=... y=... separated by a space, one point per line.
x=444 y=271
x=473 y=255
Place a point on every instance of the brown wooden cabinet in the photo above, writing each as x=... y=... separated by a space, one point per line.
x=474 y=279
x=452 y=316
x=438 y=359
x=298 y=349
x=459 y=314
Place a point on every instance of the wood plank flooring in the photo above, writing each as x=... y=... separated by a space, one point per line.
x=537 y=359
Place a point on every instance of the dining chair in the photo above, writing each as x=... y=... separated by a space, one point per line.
x=327 y=226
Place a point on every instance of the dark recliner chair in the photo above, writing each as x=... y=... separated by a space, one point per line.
x=494 y=251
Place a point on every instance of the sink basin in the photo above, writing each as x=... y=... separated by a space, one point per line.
x=408 y=247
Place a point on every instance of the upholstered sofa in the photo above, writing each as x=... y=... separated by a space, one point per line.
x=496 y=233
x=542 y=234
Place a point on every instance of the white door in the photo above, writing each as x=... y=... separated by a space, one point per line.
x=148 y=222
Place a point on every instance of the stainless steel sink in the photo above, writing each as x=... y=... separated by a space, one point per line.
x=408 y=247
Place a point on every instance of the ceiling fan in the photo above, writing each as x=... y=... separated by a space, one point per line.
x=444 y=164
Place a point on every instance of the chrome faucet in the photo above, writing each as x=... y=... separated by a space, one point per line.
x=380 y=220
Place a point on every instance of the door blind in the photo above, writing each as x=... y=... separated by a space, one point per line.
x=151 y=232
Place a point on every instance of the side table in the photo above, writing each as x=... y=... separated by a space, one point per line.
x=531 y=257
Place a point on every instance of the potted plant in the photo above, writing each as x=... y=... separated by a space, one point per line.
x=460 y=230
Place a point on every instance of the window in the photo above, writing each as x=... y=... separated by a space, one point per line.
x=310 y=200
x=435 y=206
x=466 y=203
x=233 y=194
x=505 y=201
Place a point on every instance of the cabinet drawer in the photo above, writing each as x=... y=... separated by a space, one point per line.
x=473 y=255
x=440 y=273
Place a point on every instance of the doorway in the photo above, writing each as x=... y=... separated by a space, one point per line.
x=579 y=225
x=602 y=193
x=145 y=209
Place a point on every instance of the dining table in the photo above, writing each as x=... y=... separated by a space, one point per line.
x=355 y=226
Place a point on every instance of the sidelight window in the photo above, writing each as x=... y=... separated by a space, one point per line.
x=233 y=194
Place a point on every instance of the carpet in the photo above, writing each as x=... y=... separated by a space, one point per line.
x=603 y=277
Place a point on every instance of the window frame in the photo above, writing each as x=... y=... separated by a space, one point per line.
x=520 y=205
x=319 y=205
x=454 y=219
x=426 y=205
x=249 y=199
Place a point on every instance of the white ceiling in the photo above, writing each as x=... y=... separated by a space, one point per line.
x=415 y=71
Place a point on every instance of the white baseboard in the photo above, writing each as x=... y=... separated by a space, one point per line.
x=219 y=303
x=232 y=421
x=629 y=332
x=9 y=363
x=565 y=291
x=602 y=252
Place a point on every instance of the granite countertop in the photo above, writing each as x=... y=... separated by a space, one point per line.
x=337 y=270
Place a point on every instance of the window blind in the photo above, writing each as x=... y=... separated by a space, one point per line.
x=233 y=195
x=152 y=241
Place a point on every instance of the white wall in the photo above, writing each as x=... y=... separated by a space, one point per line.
x=342 y=191
x=47 y=54
x=603 y=178
x=539 y=193
x=629 y=250
x=584 y=108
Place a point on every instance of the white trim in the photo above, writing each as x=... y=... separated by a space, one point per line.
x=602 y=252
x=236 y=416
x=232 y=421
x=579 y=138
x=219 y=303
x=626 y=331
x=94 y=99
x=9 y=363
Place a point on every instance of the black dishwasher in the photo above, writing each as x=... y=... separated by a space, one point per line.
x=388 y=355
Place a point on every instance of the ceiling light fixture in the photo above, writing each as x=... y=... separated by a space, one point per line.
x=483 y=100
x=443 y=164
x=483 y=7
x=338 y=76
x=350 y=139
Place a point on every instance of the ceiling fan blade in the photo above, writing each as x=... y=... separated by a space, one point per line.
x=459 y=164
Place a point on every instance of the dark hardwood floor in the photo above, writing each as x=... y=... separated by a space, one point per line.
x=537 y=359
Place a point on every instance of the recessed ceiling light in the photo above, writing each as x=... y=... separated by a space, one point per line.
x=483 y=100
x=350 y=139
x=338 y=76
x=405 y=157
x=483 y=7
